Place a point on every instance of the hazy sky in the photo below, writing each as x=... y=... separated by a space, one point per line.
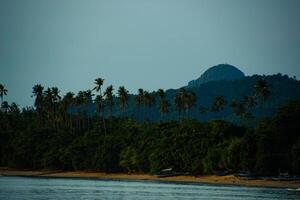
x=141 y=43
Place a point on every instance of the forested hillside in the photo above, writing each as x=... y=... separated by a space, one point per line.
x=282 y=88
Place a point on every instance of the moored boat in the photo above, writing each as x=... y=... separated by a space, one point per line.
x=168 y=173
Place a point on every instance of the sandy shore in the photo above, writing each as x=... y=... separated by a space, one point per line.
x=227 y=180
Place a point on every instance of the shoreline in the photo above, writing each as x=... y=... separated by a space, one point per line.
x=205 y=179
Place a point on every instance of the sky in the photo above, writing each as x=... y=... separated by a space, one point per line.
x=146 y=44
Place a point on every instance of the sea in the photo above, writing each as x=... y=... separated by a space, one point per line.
x=23 y=188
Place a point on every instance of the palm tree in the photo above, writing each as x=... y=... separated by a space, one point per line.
x=218 y=104
x=98 y=103
x=14 y=109
x=179 y=101
x=185 y=100
x=161 y=94
x=67 y=101
x=110 y=100
x=87 y=100
x=139 y=99
x=249 y=102
x=149 y=101
x=55 y=94
x=164 y=108
x=190 y=101
x=48 y=103
x=37 y=91
x=262 y=89
x=99 y=83
x=51 y=102
x=3 y=92
x=79 y=101
x=56 y=99
x=5 y=107
x=123 y=97
x=238 y=108
x=241 y=110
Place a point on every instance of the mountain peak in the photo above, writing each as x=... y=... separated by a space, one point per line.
x=218 y=73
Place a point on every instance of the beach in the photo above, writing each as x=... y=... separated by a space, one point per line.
x=207 y=179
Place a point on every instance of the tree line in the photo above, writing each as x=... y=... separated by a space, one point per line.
x=61 y=133
x=53 y=109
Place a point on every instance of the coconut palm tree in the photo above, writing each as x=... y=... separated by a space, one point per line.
x=219 y=104
x=139 y=99
x=79 y=101
x=161 y=94
x=249 y=102
x=67 y=101
x=242 y=109
x=149 y=101
x=262 y=89
x=14 y=109
x=164 y=107
x=37 y=91
x=99 y=83
x=55 y=95
x=179 y=101
x=189 y=101
x=56 y=99
x=262 y=92
x=99 y=107
x=110 y=100
x=98 y=103
x=238 y=108
x=87 y=100
x=3 y=92
x=51 y=102
x=48 y=104
x=123 y=97
x=5 y=107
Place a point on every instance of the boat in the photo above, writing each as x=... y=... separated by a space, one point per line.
x=222 y=173
x=246 y=175
x=169 y=173
x=285 y=177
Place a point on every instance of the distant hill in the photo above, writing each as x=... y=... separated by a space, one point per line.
x=222 y=72
x=233 y=84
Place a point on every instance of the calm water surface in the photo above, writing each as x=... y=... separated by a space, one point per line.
x=48 y=188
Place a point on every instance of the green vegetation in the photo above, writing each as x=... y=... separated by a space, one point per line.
x=61 y=133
